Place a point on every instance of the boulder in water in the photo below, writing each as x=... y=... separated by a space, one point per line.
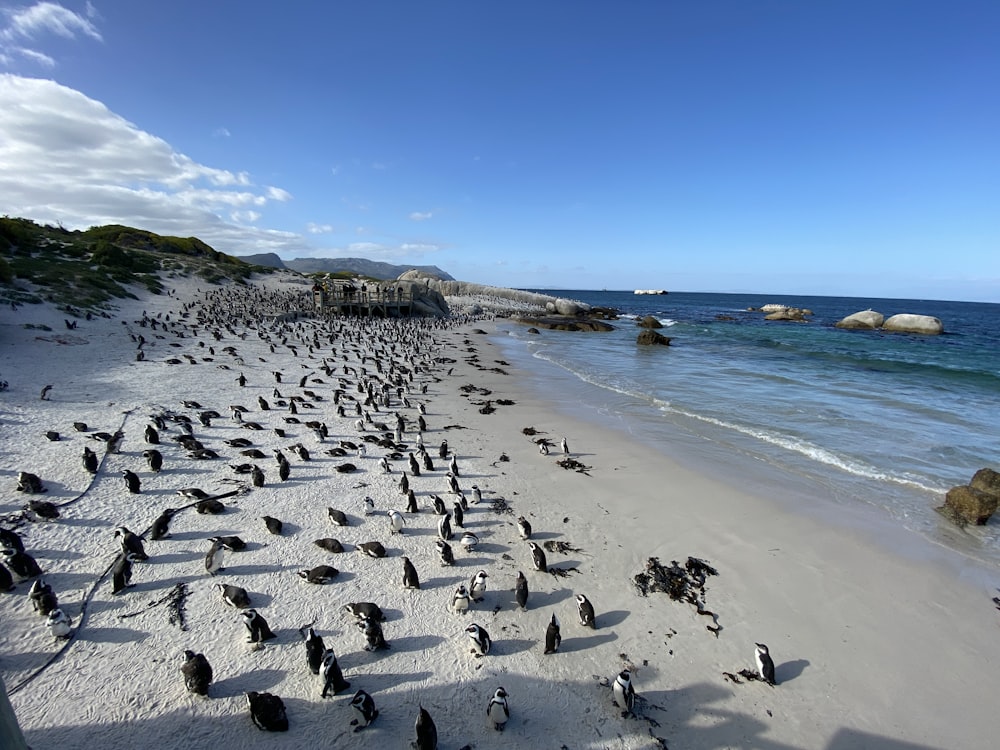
x=910 y=323
x=974 y=502
x=650 y=337
x=867 y=320
x=649 y=322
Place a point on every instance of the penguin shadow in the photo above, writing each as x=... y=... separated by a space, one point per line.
x=408 y=643
x=547 y=598
x=441 y=582
x=612 y=618
x=55 y=554
x=171 y=558
x=377 y=682
x=537 y=536
x=258 y=599
x=511 y=646
x=61 y=581
x=562 y=564
x=472 y=562
x=581 y=643
x=157 y=584
x=414 y=531
x=288 y=529
x=111 y=635
x=23 y=661
x=789 y=670
x=186 y=536
x=256 y=679
x=94 y=522
x=492 y=548
x=249 y=570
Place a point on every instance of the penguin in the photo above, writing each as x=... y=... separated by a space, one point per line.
x=337 y=517
x=365 y=610
x=231 y=543
x=29 y=483
x=365 y=705
x=374 y=638
x=211 y=506
x=439 y=507
x=565 y=447
x=10 y=539
x=426 y=460
x=151 y=435
x=477 y=495
x=214 y=557
x=543 y=448
x=523 y=528
x=404 y=484
x=6 y=579
x=552 y=636
x=497 y=711
x=521 y=591
x=411 y=502
x=154 y=459
x=443 y=450
x=257 y=627
x=453 y=484
x=538 y=558
x=480 y=640
x=59 y=624
x=460 y=601
x=453 y=466
x=330 y=545
x=444 y=527
x=320 y=574
x=273 y=525
x=396 y=522
x=333 y=678
x=445 y=553
x=386 y=468
x=90 y=461
x=369 y=506
x=372 y=549
x=586 y=611
x=267 y=712
x=43 y=598
x=468 y=541
x=131 y=482
x=284 y=470
x=234 y=596
x=477 y=589
x=315 y=649
x=197 y=673
x=459 y=514
x=131 y=543
x=624 y=692
x=427 y=736
x=193 y=493
x=765 y=665
x=21 y=564
x=414 y=466
x=161 y=526
x=121 y=578
x=257 y=476
x=410 y=578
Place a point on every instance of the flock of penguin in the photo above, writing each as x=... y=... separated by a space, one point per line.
x=369 y=384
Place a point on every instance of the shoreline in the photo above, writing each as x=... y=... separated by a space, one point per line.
x=870 y=647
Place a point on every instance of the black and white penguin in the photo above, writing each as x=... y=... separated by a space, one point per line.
x=363 y=610
x=538 y=558
x=197 y=673
x=460 y=601
x=372 y=549
x=21 y=564
x=284 y=470
x=6 y=579
x=414 y=466
x=477 y=494
x=90 y=461
x=543 y=448
x=161 y=526
x=443 y=450
x=315 y=649
x=214 y=557
x=480 y=640
x=330 y=545
x=521 y=591
x=468 y=541
x=151 y=435
x=121 y=577
x=444 y=552
x=765 y=665
x=586 y=611
x=154 y=459
x=404 y=484
x=257 y=627
x=43 y=598
x=453 y=484
x=523 y=527
x=337 y=517
x=477 y=588
x=427 y=736
x=333 y=678
x=131 y=482
x=273 y=525
x=453 y=466
x=256 y=476
x=319 y=575
x=267 y=712
x=384 y=463
x=60 y=624
x=30 y=483
x=234 y=596
x=425 y=458
x=459 y=514
x=193 y=493
x=552 y=636
x=439 y=506
x=365 y=705
x=498 y=712
x=624 y=692
x=231 y=543
x=369 y=506
x=10 y=539
x=410 y=578
x=444 y=527
x=374 y=637
x=396 y=522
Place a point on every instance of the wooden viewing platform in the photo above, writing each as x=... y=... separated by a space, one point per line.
x=364 y=301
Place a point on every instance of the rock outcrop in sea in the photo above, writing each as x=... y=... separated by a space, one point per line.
x=869 y=320
x=976 y=501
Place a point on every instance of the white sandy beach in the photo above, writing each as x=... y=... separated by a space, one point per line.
x=877 y=644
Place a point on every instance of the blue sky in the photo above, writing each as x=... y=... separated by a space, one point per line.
x=847 y=148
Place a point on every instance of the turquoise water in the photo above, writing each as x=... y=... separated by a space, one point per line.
x=889 y=421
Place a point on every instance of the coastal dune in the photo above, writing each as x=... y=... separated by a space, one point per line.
x=875 y=645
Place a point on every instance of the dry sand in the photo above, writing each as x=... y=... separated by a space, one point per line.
x=877 y=645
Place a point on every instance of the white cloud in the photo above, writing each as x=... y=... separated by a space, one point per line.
x=375 y=251
x=277 y=194
x=221 y=133
x=421 y=215
x=51 y=18
x=245 y=217
x=313 y=228
x=39 y=57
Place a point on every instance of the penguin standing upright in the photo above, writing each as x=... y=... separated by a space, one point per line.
x=410 y=578
x=411 y=502
x=161 y=526
x=444 y=527
x=765 y=665
x=333 y=678
x=131 y=543
x=365 y=705
x=90 y=461
x=477 y=494
x=481 y=642
x=257 y=627
x=6 y=579
x=396 y=522
x=521 y=591
x=460 y=600
x=404 y=484
x=624 y=692
x=43 y=598
x=538 y=558
x=477 y=589
x=586 y=611
x=131 y=482
x=445 y=552
x=427 y=736
x=214 y=557
x=121 y=577
x=21 y=564
x=151 y=435
x=523 y=527
x=315 y=650
x=267 y=712
x=374 y=638
x=197 y=673
x=257 y=476
x=552 y=636
x=459 y=514
x=498 y=712
x=154 y=459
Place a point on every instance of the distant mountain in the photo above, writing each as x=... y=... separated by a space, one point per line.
x=358 y=266
x=269 y=260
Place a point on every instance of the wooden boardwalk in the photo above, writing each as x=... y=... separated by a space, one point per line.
x=365 y=301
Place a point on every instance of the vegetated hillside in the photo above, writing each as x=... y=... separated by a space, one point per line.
x=89 y=268
x=360 y=267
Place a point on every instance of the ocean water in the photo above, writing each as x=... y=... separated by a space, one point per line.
x=846 y=419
